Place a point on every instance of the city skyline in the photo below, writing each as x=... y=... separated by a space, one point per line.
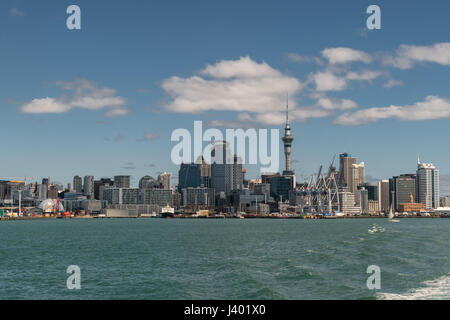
x=403 y=66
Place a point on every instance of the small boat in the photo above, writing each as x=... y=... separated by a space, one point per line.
x=391 y=215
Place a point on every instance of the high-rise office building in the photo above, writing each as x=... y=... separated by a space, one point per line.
x=356 y=177
x=346 y=161
x=42 y=191
x=402 y=187
x=238 y=174
x=100 y=185
x=165 y=180
x=88 y=187
x=148 y=182
x=384 y=195
x=188 y=176
x=222 y=168
x=428 y=185
x=52 y=192
x=280 y=187
x=205 y=173
x=77 y=184
x=122 y=181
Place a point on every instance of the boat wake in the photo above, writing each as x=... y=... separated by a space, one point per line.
x=376 y=228
x=438 y=289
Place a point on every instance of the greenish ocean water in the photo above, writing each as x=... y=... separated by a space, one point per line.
x=225 y=258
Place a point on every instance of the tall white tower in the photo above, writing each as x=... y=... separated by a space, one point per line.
x=427 y=185
x=287 y=141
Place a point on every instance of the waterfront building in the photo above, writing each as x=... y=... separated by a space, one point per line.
x=373 y=206
x=134 y=210
x=161 y=197
x=362 y=199
x=411 y=206
x=445 y=202
x=347 y=203
x=122 y=181
x=428 y=185
x=77 y=184
x=244 y=200
x=280 y=187
x=88 y=187
x=200 y=197
x=402 y=187
x=113 y=195
x=89 y=206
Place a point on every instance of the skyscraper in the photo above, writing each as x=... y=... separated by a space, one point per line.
x=165 y=179
x=345 y=169
x=122 y=181
x=427 y=185
x=356 y=176
x=384 y=195
x=188 y=176
x=221 y=168
x=77 y=184
x=148 y=182
x=89 y=187
x=402 y=187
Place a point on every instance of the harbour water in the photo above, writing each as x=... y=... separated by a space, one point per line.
x=225 y=258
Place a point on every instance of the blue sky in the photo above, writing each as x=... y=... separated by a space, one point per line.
x=128 y=53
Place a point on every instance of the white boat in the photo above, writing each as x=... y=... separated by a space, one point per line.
x=391 y=215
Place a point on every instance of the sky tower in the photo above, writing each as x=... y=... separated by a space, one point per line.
x=287 y=141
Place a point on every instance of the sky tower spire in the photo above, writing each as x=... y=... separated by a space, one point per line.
x=287 y=140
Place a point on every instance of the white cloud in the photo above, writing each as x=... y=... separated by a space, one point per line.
x=328 y=81
x=149 y=137
x=14 y=12
x=84 y=94
x=365 y=75
x=432 y=108
x=345 y=55
x=392 y=83
x=45 y=105
x=295 y=57
x=333 y=79
x=335 y=103
x=408 y=55
x=232 y=85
